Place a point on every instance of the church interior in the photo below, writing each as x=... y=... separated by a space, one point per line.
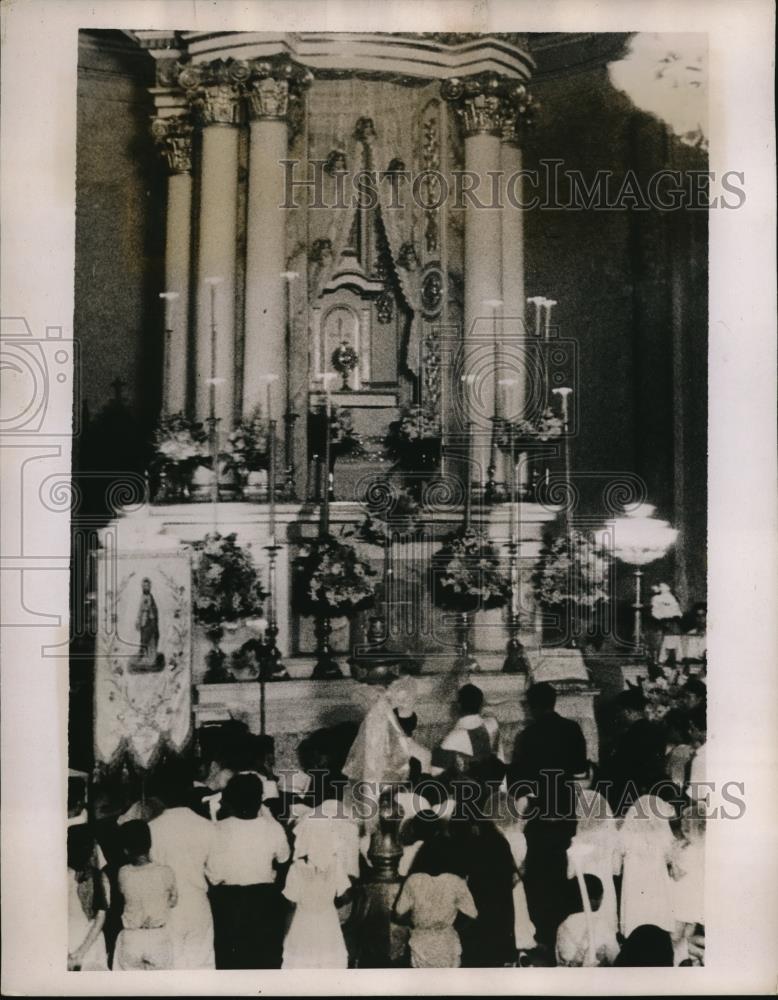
x=337 y=436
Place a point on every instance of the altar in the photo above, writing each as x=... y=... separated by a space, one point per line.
x=291 y=709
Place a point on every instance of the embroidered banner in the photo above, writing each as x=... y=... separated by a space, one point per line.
x=143 y=665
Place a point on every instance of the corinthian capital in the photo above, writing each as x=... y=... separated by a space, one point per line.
x=214 y=90
x=518 y=114
x=173 y=137
x=480 y=101
x=275 y=87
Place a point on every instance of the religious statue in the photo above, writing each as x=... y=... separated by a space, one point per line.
x=147 y=624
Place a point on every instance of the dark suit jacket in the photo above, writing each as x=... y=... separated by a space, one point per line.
x=548 y=744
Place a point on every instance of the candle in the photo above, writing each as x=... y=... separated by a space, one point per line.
x=506 y=395
x=549 y=304
x=168 y=298
x=537 y=301
x=272 y=478
x=326 y=378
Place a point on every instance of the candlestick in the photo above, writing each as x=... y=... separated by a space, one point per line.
x=289 y=414
x=565 y=394
x=168 y=298
x=326 y=377
x=212 y=282
x=442 y=375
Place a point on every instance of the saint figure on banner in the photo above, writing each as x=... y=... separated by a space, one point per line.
x=147 y=625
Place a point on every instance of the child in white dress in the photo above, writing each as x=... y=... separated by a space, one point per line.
x=316 y=879
x=689 y=890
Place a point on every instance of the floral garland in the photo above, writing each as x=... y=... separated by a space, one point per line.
x=572 y=568
x=333 y=580
x=414 y=439
x=467 y=575
x=179 y=442
x=246 y=449
x=226 y=582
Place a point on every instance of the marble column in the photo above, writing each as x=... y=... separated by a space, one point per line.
x=173 y=136
x=215 y=91
x=265 y=347
x=478 y=105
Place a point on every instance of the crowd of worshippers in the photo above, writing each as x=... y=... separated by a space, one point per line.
x=231 y=868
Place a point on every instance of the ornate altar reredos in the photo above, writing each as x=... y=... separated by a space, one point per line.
x=278 y=258
x=279 y=251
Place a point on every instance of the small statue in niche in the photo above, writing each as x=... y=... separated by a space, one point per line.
x=407 y=257
x=365 y=131
x=335 y=162
x=321 y=251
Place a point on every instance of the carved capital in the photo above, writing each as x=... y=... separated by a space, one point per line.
x=518 y=115
x=173 y=137
x=214 y=90
x=480 y=101
x=275 y=87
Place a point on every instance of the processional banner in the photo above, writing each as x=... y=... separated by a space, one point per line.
x=143 y=664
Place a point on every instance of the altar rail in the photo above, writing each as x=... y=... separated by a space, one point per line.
x=296 y=708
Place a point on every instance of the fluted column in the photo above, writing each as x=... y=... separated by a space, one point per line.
x=174 y=139
x=214 y=91
x=272 y=90
x=477 y=103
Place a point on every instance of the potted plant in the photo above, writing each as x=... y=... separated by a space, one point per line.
x=333 y=581
x=572 y=577
x=467 y=576
x=180 y=446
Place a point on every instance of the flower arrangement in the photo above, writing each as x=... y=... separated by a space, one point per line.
x=572 y=569
x=467 y=575
x=246 y=449
x=333 y=580
x=522 y=433
x=180 y=442
x=413 y=440
x=226 y=582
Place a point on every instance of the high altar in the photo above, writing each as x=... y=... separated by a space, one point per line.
x=276 y=257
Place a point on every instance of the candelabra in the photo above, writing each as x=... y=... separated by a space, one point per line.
x=515 y=658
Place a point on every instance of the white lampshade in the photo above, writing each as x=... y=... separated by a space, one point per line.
x=640 y=538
